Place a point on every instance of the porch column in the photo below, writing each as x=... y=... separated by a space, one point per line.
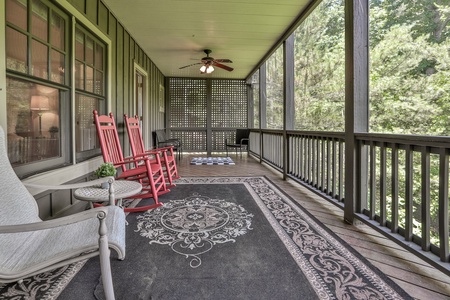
x=288 y=98
x=356 y=103
x=262 y=106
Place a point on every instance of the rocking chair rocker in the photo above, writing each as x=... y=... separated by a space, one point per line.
x=147 y=170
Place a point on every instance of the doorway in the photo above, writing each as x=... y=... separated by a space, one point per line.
x=140 y=105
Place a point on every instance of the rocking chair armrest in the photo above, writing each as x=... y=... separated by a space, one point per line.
x=99 y=212
x=165 y=148
x=109 y=179
x=137 y=158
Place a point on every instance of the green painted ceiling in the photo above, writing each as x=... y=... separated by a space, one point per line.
x=174 y=33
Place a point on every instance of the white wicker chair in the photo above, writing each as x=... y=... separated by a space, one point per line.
x=30 y=246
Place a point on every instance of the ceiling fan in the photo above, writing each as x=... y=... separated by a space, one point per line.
x=208 y=63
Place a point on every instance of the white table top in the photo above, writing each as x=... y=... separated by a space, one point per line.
x=122 y=189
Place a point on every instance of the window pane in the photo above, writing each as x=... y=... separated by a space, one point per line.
x=16 y=50
x=79 y=75
x=16 y=13
x=39 y=20
x=98 y=57
x=86 y=133
x=98 y=83
x=89 y=50
x=89 y=79
x=57 y=67
x=39 y=60
x=33 y=122
x=58 y=31
x=79 y=45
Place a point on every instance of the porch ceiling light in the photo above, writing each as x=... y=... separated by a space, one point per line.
x=208 y=69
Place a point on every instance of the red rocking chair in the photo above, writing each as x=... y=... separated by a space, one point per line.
x=147 y=169
x=168 y=160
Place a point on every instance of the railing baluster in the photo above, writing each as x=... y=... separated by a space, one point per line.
x=328 y=187
x=294 y=155
x=425 y=205
x=309 y=154
x=408 y=193
x=383 y=185
x=394 y=187
x=302 y=158
x=333 y=168
x=313 y=162
x=323 y=160
x=341 y=172
x=373 y=181
x=443 y=204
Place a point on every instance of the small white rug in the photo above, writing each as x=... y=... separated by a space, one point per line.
x=212 y=161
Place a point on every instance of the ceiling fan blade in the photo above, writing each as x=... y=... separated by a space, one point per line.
x=223 y=60
x=215 y=64
x=190 y=65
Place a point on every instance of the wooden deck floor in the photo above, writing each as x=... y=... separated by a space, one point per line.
x=417 y=277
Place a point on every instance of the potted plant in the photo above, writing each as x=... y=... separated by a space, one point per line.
x=106 y=169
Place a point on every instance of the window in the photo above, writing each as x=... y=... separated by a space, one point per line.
x=90 y=91
x=37 y=91
x=41 y=51
x=33 y=122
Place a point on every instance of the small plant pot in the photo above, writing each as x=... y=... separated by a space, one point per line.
x=105 y=185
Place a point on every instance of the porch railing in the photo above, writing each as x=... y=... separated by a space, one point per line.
x=404 y=181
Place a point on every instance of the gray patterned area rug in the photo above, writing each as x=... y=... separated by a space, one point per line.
x=222 y=238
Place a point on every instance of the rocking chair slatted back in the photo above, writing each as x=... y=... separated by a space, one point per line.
x=135 y=135
x=109 y=139
x=137 y=148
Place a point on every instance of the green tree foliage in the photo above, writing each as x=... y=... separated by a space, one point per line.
x=409 y=67
x=319 y=69
x=274 y=82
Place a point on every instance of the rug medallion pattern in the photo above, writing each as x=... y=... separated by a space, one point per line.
x=192 y=226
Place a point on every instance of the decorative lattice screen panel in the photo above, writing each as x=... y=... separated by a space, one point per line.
x=189 y=112
x=229 y=103
x=187 y=100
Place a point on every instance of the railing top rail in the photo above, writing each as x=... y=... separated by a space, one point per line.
x=321 y=134
x=406 y=139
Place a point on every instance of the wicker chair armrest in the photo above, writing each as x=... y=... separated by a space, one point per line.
x=70 y=185
x=99 y=212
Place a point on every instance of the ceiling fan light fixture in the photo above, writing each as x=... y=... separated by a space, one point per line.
x=208 y=69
